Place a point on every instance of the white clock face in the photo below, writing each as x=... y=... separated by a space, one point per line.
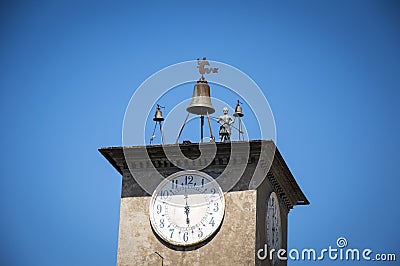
x=187 y=208
x=273 y=226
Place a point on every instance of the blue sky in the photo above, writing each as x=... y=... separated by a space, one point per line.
x=329 y=69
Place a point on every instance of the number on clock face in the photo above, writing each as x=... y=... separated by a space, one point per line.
x=187 y=208
x=273 y=226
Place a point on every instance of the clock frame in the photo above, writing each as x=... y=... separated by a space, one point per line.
x=187 y=208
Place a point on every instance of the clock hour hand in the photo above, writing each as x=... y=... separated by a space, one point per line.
x=187 y=210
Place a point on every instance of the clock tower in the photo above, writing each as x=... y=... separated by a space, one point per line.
x=190 y=219
x=214 y=202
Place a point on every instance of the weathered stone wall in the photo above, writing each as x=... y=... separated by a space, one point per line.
x=234 y=244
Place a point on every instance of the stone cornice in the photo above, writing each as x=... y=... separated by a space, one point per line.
x=278 y=175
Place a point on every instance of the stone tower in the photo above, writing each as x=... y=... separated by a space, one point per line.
x=254 y=216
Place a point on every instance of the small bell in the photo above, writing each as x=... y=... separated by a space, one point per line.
x=158 y=115
x=238 y=110
x=158 y=118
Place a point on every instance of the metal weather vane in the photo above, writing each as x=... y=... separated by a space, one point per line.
x=204 y=70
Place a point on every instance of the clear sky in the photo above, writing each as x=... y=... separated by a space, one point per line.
x=329 y=69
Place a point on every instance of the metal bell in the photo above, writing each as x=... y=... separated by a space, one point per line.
x=238 y=110
x=158 y=115
x=201 y=101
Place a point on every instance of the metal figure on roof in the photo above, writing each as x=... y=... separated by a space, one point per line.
x=225 y=129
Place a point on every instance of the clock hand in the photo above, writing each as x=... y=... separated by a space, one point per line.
x=187 y=209
x=187 y=215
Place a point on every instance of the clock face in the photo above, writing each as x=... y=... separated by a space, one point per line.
x=187 y=208
x=273 y=226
